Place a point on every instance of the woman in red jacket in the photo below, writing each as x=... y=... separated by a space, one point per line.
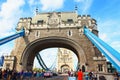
x=80 y=75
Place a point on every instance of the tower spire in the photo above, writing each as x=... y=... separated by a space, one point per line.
x=76 y=9
x=36 y=10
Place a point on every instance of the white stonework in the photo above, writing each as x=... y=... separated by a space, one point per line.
x=9 y=62
x=65 y=60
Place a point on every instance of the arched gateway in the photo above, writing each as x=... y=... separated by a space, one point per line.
x=57 y=29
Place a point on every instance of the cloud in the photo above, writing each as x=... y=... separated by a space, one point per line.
x=6 y=48
x=48 y=5
x=108 y=27
x=10 y=8
x=116 y=45
x=33 y=2
x=103 y=36
x=10 y=12
x=84 y=5
x=107 y=23
x=79 y=0
x=109 y=32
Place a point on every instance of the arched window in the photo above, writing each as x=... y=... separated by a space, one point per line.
x=100 y=67
x=65 y=68
x=69 y=32
x=37 y=34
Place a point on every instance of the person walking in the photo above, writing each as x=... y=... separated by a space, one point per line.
x=0 y=74
x=86 y=76
x=90 y=75
x=116 y=76
x=80 y=75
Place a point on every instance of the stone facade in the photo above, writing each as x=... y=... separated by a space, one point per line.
x=9 y=62
x=56 y=29
x=65 y=60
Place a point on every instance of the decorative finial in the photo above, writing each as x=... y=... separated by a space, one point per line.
x=76 y=9
x=36 y=10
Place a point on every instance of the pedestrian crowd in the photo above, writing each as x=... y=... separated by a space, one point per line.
x=116 y=76
x=39 y=75
x=23 y=75
x=83 y=75
x=93 y=76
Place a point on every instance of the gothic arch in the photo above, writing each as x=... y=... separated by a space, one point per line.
x=64 y=66
x=48 y=42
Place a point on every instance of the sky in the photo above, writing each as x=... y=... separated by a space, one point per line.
x=106 y=12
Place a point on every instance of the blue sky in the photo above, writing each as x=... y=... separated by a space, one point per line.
x=106 y=12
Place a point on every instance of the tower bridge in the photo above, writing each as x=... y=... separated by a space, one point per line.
x=61 y=29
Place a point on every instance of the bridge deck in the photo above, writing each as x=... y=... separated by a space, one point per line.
x=52 y=78
x=108 y=76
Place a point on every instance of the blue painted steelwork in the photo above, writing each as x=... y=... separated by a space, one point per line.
x=112 y=55
x=14 y=36
x=41 y=62
x=1 y=60
x=43 y=65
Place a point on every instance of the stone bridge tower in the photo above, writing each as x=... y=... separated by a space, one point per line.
x=65 y=60
x=57 y=29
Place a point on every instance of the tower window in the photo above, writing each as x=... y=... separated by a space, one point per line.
x=100 y=67
x=69 y=33
x=40 y=21
x=37 y=34
x=70 y=20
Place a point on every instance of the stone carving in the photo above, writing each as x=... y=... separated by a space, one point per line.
x=53 y=19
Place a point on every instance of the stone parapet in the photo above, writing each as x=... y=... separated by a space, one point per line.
x=99 y=58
